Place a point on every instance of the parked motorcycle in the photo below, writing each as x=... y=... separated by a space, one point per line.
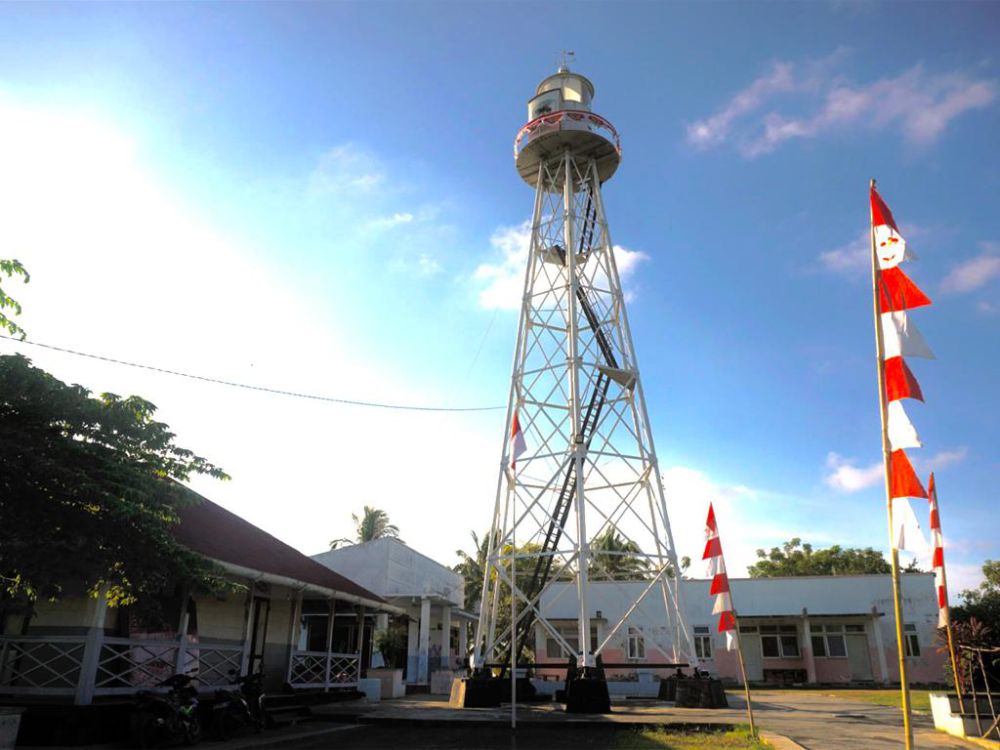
x=238 y=708
x=160 y=720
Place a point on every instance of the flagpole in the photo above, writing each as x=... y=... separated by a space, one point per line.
x=886 y=453
x=743 y=674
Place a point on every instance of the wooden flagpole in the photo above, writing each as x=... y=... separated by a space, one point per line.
x=743 y=672
x=886 y=461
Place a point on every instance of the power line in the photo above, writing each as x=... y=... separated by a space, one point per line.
x=260 y=388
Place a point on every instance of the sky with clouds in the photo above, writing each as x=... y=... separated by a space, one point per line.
x=321 y=198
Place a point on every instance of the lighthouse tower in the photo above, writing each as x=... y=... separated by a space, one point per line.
x=579 y=498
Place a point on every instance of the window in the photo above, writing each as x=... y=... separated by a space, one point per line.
x=748 y=628
x=636 y=644
x=554 y=649
x=828 y=640
x=702 y=642
x=779 y=641
x=910 y=639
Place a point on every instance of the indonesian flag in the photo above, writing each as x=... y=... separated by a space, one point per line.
x=907 y=534
x=518 y=446
x=890 y=247
x=716 y=563
x=902 y=433
x=937 y=561
x=901 y=338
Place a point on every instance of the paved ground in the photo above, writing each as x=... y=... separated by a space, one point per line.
x=814 y=721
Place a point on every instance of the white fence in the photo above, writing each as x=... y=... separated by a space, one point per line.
x=62 y=665
x=319 y=669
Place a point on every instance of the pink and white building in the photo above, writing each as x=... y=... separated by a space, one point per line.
x=809 y=629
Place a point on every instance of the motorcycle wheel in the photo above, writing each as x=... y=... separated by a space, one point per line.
x=145 y=730
x=192 y=730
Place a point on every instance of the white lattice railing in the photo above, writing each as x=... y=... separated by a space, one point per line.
x=312 y=669
x=41 y=665
x=51 y=665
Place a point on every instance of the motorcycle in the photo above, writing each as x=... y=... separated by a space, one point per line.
x=242 y=707
x=160 y=720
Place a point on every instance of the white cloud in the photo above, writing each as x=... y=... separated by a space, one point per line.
x=974 y=273
x=941 y=460
x=347 y=168
x=382 y=223
x=714 y=130
x=849 y=259
x=918 y=104
x=846 y=477
x=504 y=278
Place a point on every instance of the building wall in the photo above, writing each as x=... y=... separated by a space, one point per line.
x=865 y=600
x=391 y=569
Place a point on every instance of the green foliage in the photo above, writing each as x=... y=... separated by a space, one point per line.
x=980 y=607
x=11 y=268
x=472 y=568
x=617 y=558
x=89 y=491
x=794 y=558
x=374 y=524
x=392 y=643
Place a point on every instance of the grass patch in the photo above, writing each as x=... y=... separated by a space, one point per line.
x=705 y=739
x=920 y=700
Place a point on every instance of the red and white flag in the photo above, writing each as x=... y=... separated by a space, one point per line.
x=517 y=444
x=723 y=606
x=890 y=247
x=937 y=561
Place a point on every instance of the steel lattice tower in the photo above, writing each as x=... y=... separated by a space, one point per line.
x=589 y=469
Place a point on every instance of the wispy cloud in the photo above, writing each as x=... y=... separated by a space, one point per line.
x=346 y=168
x=843 y=475
x=918 y=104
x=941 y=460
x=503 y=279
x=974 y=273
x=849 y=259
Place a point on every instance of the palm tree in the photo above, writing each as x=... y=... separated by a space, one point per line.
x=374 y=524
x=617 y=558
x=472 y=568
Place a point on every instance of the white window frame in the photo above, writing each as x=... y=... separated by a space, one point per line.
x=635 y=644
x=825 y=633
x=703 y=642
x=911 y=640
x=780 y=631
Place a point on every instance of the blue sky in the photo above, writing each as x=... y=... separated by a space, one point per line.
x=321 y=197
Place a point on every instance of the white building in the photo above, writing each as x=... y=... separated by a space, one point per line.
x=430 y=593
x=828 y=629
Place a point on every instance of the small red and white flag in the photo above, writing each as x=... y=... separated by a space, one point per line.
x=517 y=444
x=890 y=247
x=716 y=564
x=937 y=562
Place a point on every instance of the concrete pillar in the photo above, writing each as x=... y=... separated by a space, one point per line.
x=807 y=649
x=412 y=651
x=97 y=611
x=445 y=637
x=463 y=640
x=883 y=668
x=425 y=640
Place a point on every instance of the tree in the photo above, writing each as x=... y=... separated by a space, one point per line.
x=472 y=568
x=374 y=524
x=617 y=558
x=11 y=268
x=89 y=492
x=983 y=603
x=794 y=558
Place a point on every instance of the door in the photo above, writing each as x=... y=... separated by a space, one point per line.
x=859 y=657
x=258 y=636
x=752 y=656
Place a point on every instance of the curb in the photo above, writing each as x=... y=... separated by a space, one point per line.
x=780 y=741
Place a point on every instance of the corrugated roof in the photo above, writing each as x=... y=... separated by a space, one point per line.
x=214 y=532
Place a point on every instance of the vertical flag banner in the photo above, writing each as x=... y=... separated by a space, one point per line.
x=517 y=444
x=896 y=338
x=937 y=560
x=716 y=565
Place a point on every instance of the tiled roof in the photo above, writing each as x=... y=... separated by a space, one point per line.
x=214 y=532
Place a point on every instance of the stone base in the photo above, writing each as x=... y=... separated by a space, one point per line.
x=392 y=682
x=475 y=692
x=441 y=681
x=587 y=695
